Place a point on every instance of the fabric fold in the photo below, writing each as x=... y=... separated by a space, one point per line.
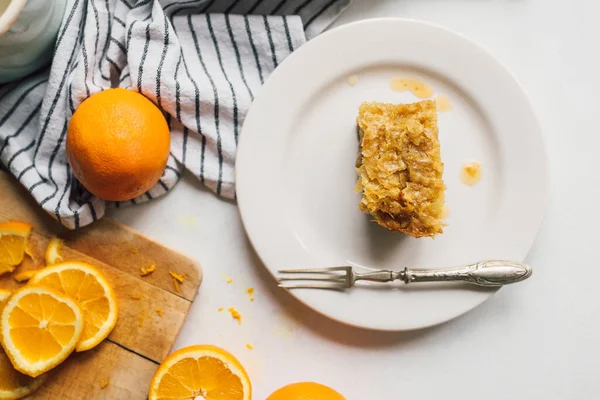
x=202 y=62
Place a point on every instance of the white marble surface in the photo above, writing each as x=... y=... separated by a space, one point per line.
x=536 y=340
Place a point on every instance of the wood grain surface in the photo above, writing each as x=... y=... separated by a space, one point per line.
x=142 y=337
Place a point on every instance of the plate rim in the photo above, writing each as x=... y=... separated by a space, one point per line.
x=543 y=184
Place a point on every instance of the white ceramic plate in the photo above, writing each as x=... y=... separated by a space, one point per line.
x=296 y=176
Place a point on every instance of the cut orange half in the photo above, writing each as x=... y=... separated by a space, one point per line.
x=305 y=391
x=53 y=255
x=91 y=290
x=202 y=371
x=13 y=243
x=40 y=327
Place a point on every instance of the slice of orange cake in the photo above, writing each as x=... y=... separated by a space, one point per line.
x=400 y=168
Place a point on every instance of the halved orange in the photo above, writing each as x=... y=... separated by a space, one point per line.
x=203 y=371
x=39 y=328
x=13 y=243
x=305 y=391
x=91 y=290
x=53 y=255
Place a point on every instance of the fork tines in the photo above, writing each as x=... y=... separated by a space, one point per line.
x=329 y=278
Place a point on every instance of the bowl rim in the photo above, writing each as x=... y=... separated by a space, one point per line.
x=11 y=14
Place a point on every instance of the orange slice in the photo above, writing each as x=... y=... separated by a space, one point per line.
x=91 y=290
x=53 y=256
x=201 y=371
x=4 y=294
x=13 y=384
x=305 y=391
x=40 y=327
x=24 y=276
x=13 y=242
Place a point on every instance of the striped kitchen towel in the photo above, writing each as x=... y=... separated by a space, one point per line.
x=201 y=61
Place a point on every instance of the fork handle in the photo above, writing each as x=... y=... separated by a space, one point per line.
x=484 y=273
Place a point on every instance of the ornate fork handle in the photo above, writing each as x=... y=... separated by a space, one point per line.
x=484 y=273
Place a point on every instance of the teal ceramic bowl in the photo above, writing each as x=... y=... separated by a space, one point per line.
x=28 y=30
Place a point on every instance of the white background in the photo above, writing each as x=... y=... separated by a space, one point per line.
x=535 y=340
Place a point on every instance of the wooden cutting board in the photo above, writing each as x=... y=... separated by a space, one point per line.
x=142 y=338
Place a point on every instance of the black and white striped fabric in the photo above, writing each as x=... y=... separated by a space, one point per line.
x=201 y=61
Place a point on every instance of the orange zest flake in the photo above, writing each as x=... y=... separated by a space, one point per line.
x=250 y=290
x=249 y=346
x=134 y=250
x=53 y=251
x=103 y=384
x=235 y=314
x=148 y=271
x=24 y=276
x=178 y=277
x=159 y=311
x=227 y=279
x=142 y=317
x=176 y=284
x=136 y=297
x=29 y=252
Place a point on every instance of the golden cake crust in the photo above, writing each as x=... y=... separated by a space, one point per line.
x=399 y=167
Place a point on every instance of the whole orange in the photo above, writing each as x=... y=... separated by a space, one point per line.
x=118 y=144
x=305 y=391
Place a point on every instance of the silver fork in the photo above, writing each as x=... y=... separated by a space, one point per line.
x=483 y=273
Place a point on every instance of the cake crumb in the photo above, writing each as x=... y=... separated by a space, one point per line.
x=142 y=318
x=103 y=384
x=235 y=315
x=179 y=277
x=352 y=80
x=148 y=271
x=227 y=279
x=249 y=346
x=220 y=309
x=136 y=297
x=250 y=290
x=251 y=298
x=159 y=311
